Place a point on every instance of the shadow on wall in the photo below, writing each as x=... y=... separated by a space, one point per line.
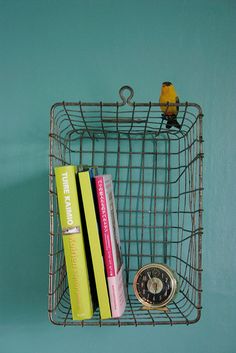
x=25 y=247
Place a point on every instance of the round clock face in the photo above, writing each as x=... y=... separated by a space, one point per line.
x=155 y=285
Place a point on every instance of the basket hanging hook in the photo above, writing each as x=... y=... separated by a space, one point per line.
x=122 y=96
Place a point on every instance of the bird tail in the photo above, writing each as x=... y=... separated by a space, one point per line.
x=172 y=122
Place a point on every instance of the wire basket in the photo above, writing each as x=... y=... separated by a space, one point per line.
x=157 y=175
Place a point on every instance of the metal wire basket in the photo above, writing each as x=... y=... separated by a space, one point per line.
x=157 y=175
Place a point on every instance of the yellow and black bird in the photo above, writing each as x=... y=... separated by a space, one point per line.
x=169 y=95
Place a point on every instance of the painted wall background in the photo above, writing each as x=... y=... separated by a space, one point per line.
x=86 y=50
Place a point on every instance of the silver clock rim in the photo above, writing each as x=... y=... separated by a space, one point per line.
x=174 y=286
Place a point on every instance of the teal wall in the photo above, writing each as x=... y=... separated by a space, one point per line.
x=86 y=50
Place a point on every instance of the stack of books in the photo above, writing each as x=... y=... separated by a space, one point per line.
x=91 y=241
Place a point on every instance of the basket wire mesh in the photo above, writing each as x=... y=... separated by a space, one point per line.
x=157 y=175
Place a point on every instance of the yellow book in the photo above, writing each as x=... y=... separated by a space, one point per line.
x=73 y=242
x=95 y=245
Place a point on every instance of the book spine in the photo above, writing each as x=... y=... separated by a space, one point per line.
x=73 y=242
x=94 y=242
x=105 y=228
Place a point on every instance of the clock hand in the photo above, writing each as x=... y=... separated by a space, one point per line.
x=155 y=287
x=149 y=276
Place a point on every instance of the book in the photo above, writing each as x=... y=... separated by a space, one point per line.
x=85 y=181
x=73 y=243
x=111 y=244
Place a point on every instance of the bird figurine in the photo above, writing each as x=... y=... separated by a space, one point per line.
x=169 y=95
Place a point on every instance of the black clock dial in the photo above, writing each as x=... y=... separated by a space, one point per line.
x=155 y=285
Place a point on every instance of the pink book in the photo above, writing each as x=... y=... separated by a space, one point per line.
x=111 y=244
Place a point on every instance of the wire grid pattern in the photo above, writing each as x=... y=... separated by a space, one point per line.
x=157 y=176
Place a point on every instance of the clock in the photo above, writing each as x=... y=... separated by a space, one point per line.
x=155 y=285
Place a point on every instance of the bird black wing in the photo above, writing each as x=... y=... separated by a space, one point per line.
x=177 y=101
